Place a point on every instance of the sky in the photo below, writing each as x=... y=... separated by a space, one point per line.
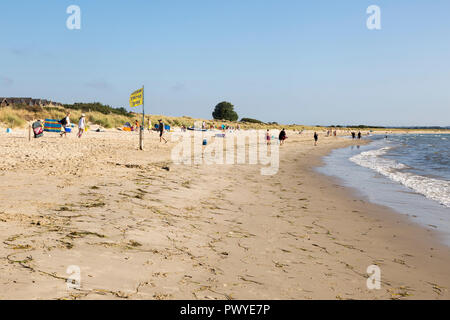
x=304 y=62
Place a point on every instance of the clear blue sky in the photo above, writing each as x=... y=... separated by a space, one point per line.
x=307 y=62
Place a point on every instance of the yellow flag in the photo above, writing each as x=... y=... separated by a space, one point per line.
x=137 y=98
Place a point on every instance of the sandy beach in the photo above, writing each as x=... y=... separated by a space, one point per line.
x=140 y=227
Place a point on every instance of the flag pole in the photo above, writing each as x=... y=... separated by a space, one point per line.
x=141 y=133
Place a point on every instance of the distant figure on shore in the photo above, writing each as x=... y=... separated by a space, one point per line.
x=353 y=135
x=268 y=137
x=282 y=137
x=149 y=124
x=359 y=135
x=65 y=122
x=161 y=131
x=316 y=138
x=136 y=125
x=81 y=125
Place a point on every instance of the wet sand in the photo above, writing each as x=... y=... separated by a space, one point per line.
x=140 y=227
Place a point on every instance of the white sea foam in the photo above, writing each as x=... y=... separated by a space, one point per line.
x=435 y=189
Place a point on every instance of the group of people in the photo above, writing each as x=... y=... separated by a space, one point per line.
x=354 y=135
x=65 y=123
x=281 y=137
x=331 y=132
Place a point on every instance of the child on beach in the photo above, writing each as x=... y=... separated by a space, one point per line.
x=268 y=137
x=65 y=122
x=81 y=125
x=316 y=137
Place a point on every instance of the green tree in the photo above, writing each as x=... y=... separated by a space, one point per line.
x=225 y=111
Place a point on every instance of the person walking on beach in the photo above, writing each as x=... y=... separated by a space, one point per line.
x=81 y=125
x=282 y=137
x=359 y=135
x=65 y=122
x=353 y=135
x=316 y=138
x=149 y=124
x=161 y=131
x=268 y=137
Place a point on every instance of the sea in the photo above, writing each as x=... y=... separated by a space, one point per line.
x=409 y=173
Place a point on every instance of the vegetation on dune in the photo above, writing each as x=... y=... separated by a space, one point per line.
x=98 y=107
x=108 y=121
x=14 y=117
x=21 y=116
x=11 y=119
x=250 y=120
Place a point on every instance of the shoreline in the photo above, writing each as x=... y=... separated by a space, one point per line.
x=139 y=231
x=382 y=190
x=408 y=235
x=393 y=214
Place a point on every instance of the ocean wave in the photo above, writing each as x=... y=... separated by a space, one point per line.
x=435 y=189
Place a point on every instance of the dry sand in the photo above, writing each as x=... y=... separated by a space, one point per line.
x=139 y=231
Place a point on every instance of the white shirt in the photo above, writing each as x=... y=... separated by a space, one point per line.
x=82 y=123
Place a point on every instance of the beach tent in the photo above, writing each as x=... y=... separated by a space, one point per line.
x=126 y=127
x=52 y=125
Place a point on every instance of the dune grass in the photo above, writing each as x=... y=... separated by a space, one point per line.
x=13 y=117
x=20 y=117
